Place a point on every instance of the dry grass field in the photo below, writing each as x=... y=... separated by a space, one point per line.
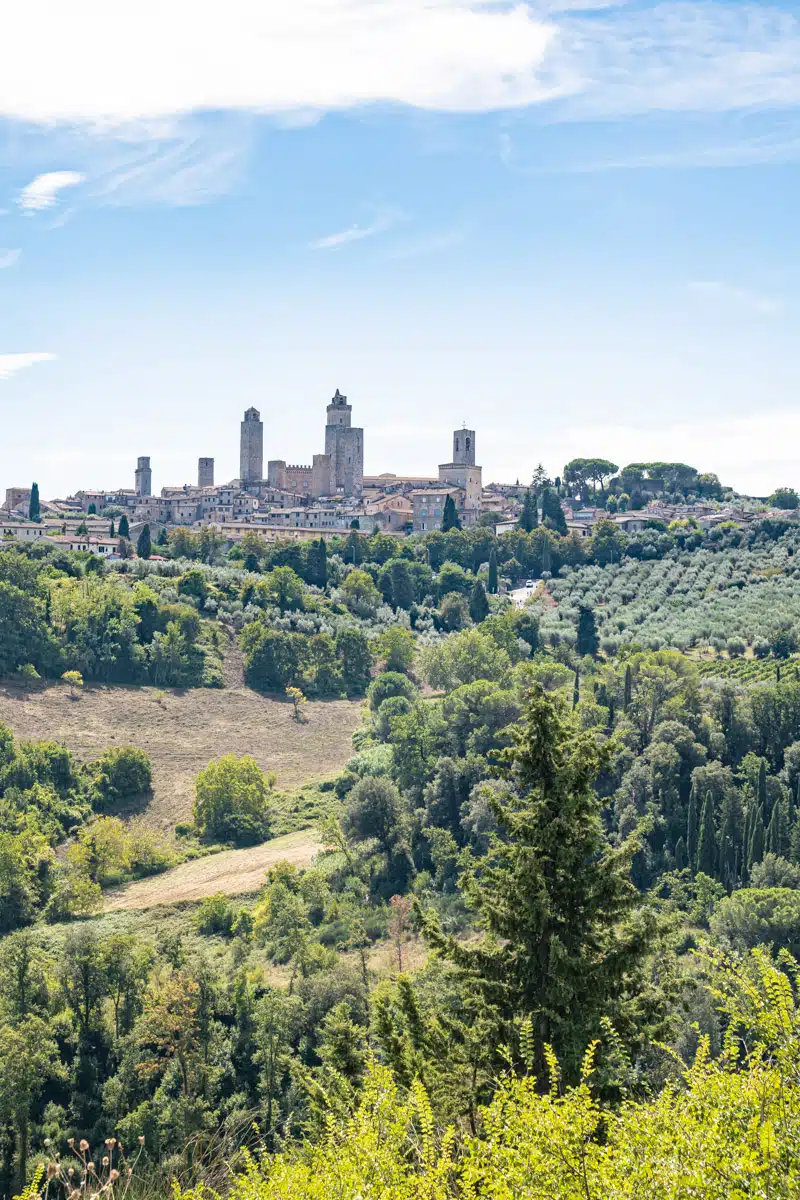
x=233 y=872
x=183 y=731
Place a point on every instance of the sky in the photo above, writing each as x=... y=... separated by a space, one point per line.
x=571 y=226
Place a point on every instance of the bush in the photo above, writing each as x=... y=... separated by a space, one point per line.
x=215 y=916
x=232 y=801
x=119 y=775
x=387 y=686
x=754 y=916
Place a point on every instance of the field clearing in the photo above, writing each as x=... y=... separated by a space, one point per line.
x=183 y=731
x=233 y=872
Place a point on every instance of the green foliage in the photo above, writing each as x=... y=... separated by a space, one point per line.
x=450 y=518
x=120 y=775
x=144 y=546
x=34 y=507
x=232 y=801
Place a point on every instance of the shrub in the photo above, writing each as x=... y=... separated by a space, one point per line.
x=215 y=916
x=388 y=685
x=119 y=775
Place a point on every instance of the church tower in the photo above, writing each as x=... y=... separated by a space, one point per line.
x=464 y=447
x=251 y=455
x=344 y=445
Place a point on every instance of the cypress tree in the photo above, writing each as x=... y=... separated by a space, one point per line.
x=681 y=857
x=403 y=586
x=762 y=790
x=317 y=563
x=547 y=561
x=778 y=832
x=707 y=839
x=528 y=518
x=478 y=604
x=755 y=850
x=124 y=527
x=730 y=836
x=92 y=510
x=691 y=829
x=450 y=516
x=163 y=540
x=627 y=696
x=34 y=508
x=576 y=690
x=493 y=571
x=552 y=512
x=587 y=641
x=111 y=532
x=144 y=547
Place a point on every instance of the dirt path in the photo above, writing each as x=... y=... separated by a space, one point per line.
x=183 y=731
x=232 y=872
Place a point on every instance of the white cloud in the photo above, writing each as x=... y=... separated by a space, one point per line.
x=42 y=192
x=109 y=63
x=8 y=258
x=719 y=290
x=356 y=233
x=11 y=363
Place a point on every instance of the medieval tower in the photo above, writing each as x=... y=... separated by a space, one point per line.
x=205 y=472
x=144 y=477
x=344 y=446
x=464 y=447
x=251 y=455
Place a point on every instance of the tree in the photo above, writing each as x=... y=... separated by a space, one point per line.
x=492 y=583
x=450 y=518
x=576 y=688
x=111 y=530
x=144 y=546
x=28 y=1056
x=707 y=839
x=627 y=691
x=691 y=832
x=163 y=537
x=298 y=700
x=34 y=508
x=552 y=512
x=398 y=648
x=284 y=588
x=75 y=681
x=478 y=603
x=561 y=946
x=783 y=641
x=587 y=639
x=317 y=563
x=232 y=800
x=784 y=497
x=529 y=517
x=124 y=527
x=402 y=584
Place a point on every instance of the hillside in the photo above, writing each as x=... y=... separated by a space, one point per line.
x=183 y=731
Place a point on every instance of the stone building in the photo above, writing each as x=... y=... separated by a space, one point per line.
x=463 y=473
x=251 y=456
x=144 y=477
x=17 y=497
x=205 y=472
x=344 y=445
x=314 y=481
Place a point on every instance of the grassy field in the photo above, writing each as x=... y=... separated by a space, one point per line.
x=183 y=731
x=233 y=872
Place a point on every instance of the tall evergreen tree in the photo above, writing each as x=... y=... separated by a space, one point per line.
x=681 y=857
x=552 y=512
x=763 y=800
x=576 y=688
x=755 y=850
x=562 y=945
x=144 y=546
x=124 y=527
x=111 y=530
x=691 y=830
x=317 y=563
x=707 y=839
x=587 y=640
x=627 y=693
x=777 y=841
x=450 y=518
x=730 y=839
x=547 y=561
x=34 y=507
x=163 y=539
x=402 y=585
x=478 y=604
x=493 y=572
x=529 y=517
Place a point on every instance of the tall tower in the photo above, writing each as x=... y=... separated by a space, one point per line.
x=205 y=472
x=144 y=477
x=464 y=447
x=251 y=455
x=345 y=447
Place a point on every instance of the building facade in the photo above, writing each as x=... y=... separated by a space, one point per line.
x=143 y=478
x=251 y=448
x=205 y=472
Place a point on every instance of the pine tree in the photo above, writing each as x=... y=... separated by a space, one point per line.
x=707 y=839
x=681 y=857
x=627 y=697
x=691 y=827
x=124 y=528
x=478 y=604
x=587 y=641
x=493 y=572
x=450 y=516
x=144 y=547
x=34 y=508
x=553 y=899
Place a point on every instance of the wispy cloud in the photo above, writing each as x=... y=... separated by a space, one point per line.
x=729 y=293
x=42 y=192
x=357 y=233
x=10 y=364
x=8 y=258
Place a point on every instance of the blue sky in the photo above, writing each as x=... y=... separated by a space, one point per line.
x=573 y=226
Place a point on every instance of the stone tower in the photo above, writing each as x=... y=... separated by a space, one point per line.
x=144 y=477
x=464 y=447
x=344 y=446
x=205 y=472
x=251 y=456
